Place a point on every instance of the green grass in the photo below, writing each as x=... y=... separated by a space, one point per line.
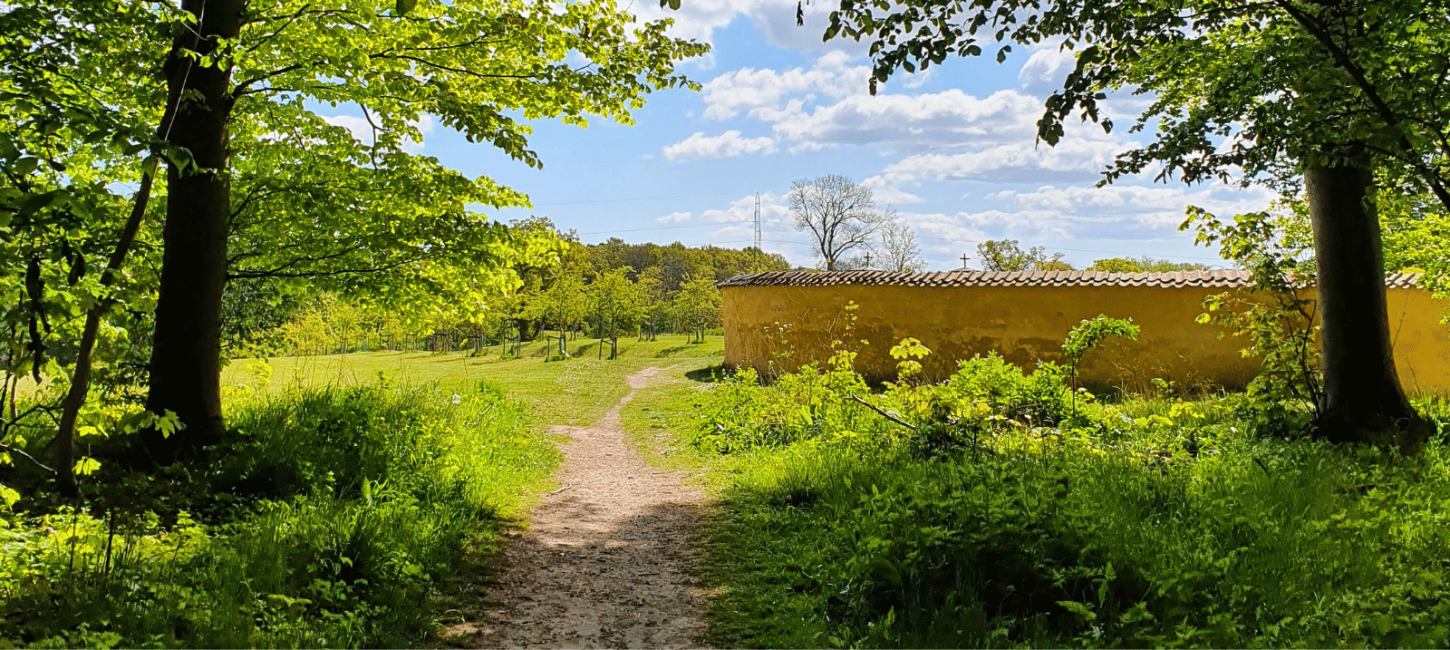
x=355 y=501
x=574 y=391
x=656 y=416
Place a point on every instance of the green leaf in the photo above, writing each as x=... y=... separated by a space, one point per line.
x=1079 y=609
x=86 y=466
x=25 y=165
x=404 y=6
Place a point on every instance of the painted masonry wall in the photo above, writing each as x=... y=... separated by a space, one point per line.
x=778 y=328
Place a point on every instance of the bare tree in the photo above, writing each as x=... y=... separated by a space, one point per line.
x=841 y=216
x=899 y=251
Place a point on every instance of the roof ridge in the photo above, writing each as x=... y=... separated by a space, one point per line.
x=1217 y=278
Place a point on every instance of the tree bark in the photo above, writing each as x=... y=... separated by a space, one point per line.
x=186 y=352
x=1362 y=400
x=64 y=456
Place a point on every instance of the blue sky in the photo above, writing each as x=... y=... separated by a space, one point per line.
x=953 y=151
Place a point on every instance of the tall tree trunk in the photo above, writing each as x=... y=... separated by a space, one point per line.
x=186 y=353
x=1363 y=400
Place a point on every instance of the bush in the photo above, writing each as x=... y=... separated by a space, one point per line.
x=1150 y=522
x=339 y=511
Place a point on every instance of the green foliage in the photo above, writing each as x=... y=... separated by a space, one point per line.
x=1143 y=264
x=1416 y=238
x=1237 y=94
x=1277 y=319
x=675 y=264
x=1088 y=335
x=327 y=519
x=1146 y=523
x=1006 y=255
x=698 y=305
x=615 y=304
x=84 y=105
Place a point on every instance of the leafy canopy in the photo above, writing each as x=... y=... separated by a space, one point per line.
x=1241 y=88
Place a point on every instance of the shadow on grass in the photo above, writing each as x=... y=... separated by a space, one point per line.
x=708 y=374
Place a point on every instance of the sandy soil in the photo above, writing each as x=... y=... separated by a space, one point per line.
x=606 y=561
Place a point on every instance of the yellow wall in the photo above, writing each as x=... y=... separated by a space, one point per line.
x=777 y=328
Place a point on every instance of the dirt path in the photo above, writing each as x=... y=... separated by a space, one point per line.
x=605 y=563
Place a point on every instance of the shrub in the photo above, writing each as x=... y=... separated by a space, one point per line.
x=339 y=511
x=1149 y=522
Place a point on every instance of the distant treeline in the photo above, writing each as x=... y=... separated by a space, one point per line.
x=602 y=290
x=676 y=262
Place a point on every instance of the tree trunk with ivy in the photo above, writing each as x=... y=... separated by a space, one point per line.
x=1362 y=398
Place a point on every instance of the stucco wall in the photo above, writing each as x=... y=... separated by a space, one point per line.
x=778 y=328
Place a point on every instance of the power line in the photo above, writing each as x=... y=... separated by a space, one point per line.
x=698 y=225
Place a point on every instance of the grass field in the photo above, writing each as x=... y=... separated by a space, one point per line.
x=575 y=391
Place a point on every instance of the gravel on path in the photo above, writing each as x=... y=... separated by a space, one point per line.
x=606 y=562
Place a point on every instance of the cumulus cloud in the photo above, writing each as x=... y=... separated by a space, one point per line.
x=735 y=226
x=674 y=217
x=726 y=145
x=761 y=92
x=1146 y=206
x=828 y=104
x=1072 y=160
x=1066 y=214
x=698 y=20
x=1046 y=68
x=888 y=192
x=914 y=122
x=359 y=127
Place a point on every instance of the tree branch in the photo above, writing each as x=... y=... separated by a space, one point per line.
x=884 y=414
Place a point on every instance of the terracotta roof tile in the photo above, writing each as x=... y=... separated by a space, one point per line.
x=1216 y=278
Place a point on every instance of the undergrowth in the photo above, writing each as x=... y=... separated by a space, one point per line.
x=1004 y=508
x=326 y=519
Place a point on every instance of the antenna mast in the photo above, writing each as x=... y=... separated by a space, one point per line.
x=757 y=223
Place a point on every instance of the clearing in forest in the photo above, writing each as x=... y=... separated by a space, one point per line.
x=606 y=561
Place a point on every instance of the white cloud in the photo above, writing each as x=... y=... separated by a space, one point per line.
x=1066 y=214
x=698 y=20
x=918 y=78
x=760 y=91
x=887 y=192
x=829 y=104
x=1148 y=206
x=1046 y=68
x=1074 y=159
x=359 y=127
x=914 y=122
x=944 y=234
x=674 y=217
x=725 y=145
